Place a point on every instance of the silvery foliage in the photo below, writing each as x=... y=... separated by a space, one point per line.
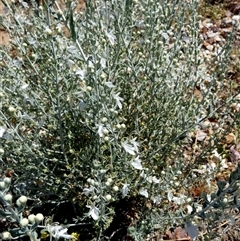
x=95 y=104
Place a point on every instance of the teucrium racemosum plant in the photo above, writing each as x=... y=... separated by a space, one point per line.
x=97 y=104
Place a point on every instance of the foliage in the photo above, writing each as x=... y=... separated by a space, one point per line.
x=99 y=106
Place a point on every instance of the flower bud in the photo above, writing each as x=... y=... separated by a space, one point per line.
x=24 y=222
x=48 y=31
x=123 y=126
x=39 y=218
x=21 y=201
x=105 y=131
x=89 y=88
x=6 y=236
x=31 y=218
x=8 y=198
x=104 y=120
x=108 y=197
x=177 y=184
x=109 y=179
x=225 y=200
x=59 y=12
x=95 y=197
x=7 y=180
x=2 y=185
x=115 y=189
x=11 y=109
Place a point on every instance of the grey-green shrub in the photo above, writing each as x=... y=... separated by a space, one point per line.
x=98 y=105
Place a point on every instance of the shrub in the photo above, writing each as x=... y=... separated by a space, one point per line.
x=100 y=106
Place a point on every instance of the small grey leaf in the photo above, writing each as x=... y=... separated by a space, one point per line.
x=82 y=105
x=191 y=230
x=26 y=117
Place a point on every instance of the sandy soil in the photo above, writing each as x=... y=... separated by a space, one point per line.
x=4 y=37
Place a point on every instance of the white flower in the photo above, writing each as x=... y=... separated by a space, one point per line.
x=118 y=100
x=144 y=193
x=137 y=163
x=125 y=190
x=94 y=212
x=58 y=232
